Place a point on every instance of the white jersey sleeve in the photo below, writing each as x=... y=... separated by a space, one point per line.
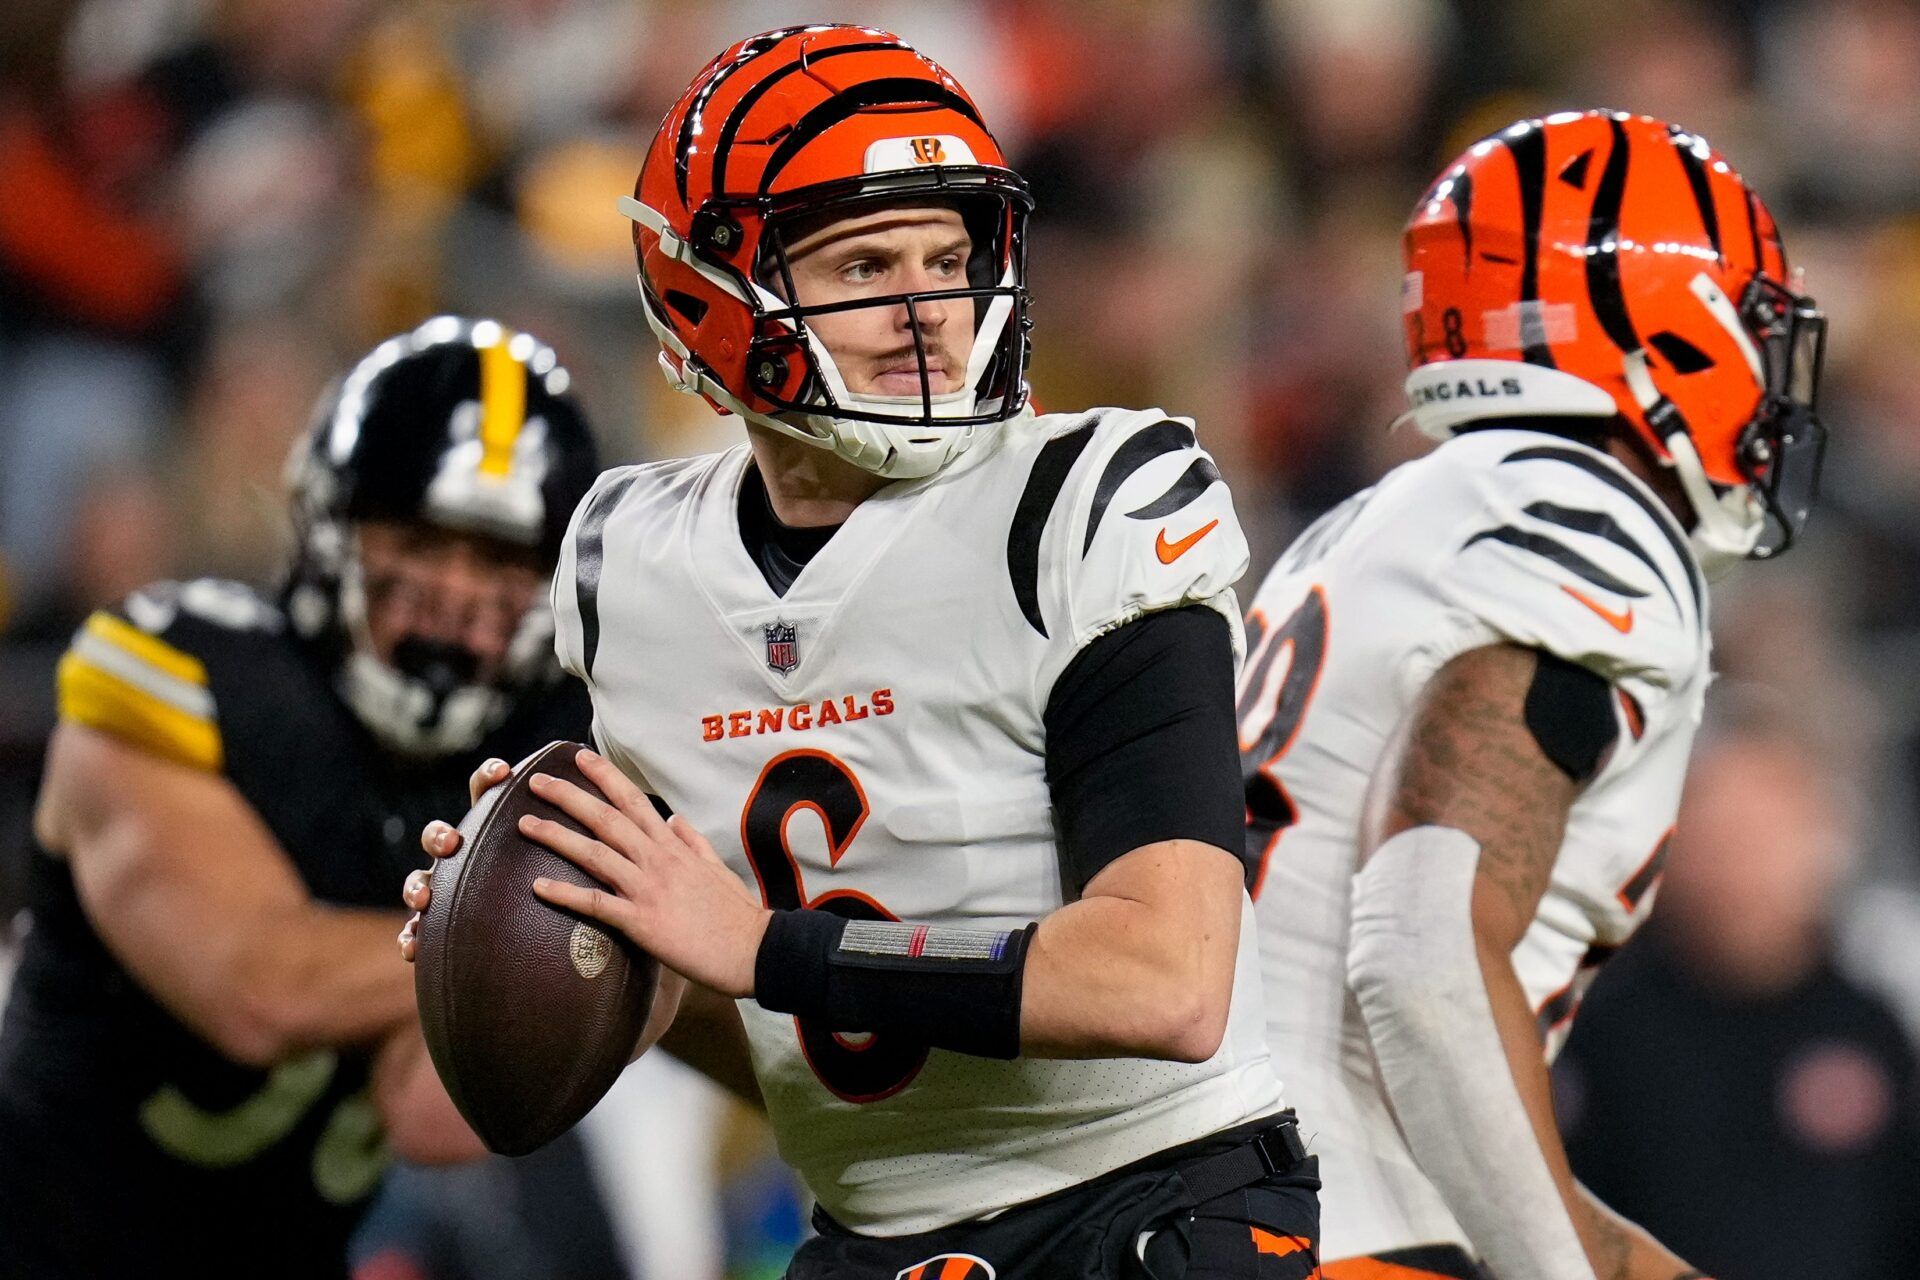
x=576 y=576
x=576 y=597
x=1143 y=523
x=1555 y=547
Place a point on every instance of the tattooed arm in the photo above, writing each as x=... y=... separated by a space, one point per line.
x=1467 y=763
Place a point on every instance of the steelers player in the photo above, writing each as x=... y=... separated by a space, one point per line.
x=210 y=1051
x=950 y=684
x=1473 y=688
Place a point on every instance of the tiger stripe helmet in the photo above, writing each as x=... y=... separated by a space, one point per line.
x=797 y=123
x=1605 y=265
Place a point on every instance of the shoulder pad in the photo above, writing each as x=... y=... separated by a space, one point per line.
x=653 y=487
x=141 y=672
x=1557 y=547
x=1123 y=513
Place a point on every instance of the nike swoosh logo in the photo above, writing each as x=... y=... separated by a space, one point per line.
x=1621 y=621
x=1171 y=551
x=1278 y=1246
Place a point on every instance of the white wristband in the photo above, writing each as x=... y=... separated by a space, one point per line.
x=1413 y=967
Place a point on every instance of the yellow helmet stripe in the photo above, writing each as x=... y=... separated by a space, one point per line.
x=503 y=405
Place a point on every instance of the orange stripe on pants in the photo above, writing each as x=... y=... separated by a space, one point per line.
x=1374 y=1269
x=1278 y=1246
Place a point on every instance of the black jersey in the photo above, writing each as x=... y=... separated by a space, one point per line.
x=128 y=1145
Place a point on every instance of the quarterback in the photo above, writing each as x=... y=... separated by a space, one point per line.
x=1472 y=689
x=950 y=684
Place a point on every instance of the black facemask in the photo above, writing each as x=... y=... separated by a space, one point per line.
x=1780 y=452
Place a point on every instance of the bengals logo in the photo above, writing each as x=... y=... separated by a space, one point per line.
x=949 y=1266
x=929 y=151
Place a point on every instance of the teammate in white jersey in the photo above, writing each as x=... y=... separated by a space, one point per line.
x=1471 y=690
x=951 y=684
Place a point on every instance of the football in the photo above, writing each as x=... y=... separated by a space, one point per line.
x=530 y=1011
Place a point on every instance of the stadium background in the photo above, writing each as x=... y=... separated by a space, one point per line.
x=207 y=207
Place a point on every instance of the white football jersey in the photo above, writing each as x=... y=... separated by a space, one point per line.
x=1497 y=536
x=873 y=743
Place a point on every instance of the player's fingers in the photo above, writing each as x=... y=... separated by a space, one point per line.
x=590 y=855
x=703 y=849
x=619 y=788
x=701 y=846
x=440 y=839
x=489 y=772
x=410 y=938
x=604 y=820
x=418 y=890
x=692 y=838
x=596 y=904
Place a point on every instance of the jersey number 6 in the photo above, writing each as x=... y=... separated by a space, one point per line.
x=1270 y=722
x=856 y=1067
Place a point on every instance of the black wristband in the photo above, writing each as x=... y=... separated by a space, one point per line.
x=950 y=988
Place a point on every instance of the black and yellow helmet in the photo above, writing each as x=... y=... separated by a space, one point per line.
x=463 y=424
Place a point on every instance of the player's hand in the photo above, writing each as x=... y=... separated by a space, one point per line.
x=440 y=840
x=664 y=886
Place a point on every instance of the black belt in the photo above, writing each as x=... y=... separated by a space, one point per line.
x=1275 y=1149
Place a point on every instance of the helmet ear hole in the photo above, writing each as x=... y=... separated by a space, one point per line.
x=1682 y=355
x=694 y=309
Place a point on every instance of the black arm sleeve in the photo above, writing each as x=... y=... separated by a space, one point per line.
x=1569 y=711
x=1141 y=744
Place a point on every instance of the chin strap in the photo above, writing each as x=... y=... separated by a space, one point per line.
x=1727 y=525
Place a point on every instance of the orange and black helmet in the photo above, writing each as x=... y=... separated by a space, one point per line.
x=1605 y=265
x=792 y=124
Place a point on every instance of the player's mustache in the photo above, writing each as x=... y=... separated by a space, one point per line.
x=938 y=363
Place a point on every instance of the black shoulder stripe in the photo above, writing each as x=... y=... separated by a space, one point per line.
x=1199 y=476
x=1142 y=447
x=1661 y=517
x=1044 y=483
x=1561 y=554
x=1603 y=246
x=588 y=553
x=1600 y=525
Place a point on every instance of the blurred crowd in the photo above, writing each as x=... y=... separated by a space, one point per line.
x=209 y=207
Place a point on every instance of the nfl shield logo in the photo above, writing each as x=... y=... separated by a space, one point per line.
x=783 y=648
